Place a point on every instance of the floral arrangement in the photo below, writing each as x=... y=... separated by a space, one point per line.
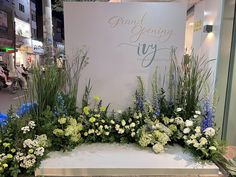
x=54 y=123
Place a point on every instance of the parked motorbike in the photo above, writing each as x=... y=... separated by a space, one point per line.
x=13 y=83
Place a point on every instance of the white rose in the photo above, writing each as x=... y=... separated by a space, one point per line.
x=179 y=109
x=196 y=145
x=213 y=148
x=132 y=124
x=186 y=130
x=209 y=131
x=198 y=112
x=195 y=116
x=198 y=129
x=188 y=123
x=132 y=134
x=157 y=148
x=189 y=142
x=203 y=141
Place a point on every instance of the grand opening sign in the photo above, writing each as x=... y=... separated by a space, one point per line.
x=124 y=40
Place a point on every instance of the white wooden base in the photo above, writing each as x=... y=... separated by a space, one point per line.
x=122 y=160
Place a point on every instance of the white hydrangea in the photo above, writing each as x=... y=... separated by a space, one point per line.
x=157 y=148
x=209 y=132
x=186 y=130
x=188 y=123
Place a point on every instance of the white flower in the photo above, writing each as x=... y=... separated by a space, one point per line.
x=117 y=127
x=39 y=151
x=90 y=131
x=179 y=120
x=30 y=143
x=112 y=122
x=25 y=129
x=186 y=130
x=140 y=115
x=203 y=141
x=171 y=120
x=132 y=125
x=193 y=136
x=185 y=137
x=31 y=124
x=103 y=121
x=198 y=112
x=100 y=127
x=132 y=134
x=85 y=133
x=195 y=116
x=121 y=131
x=188 y=123
x=98 y=133
x=213 y=148
x=96 y=123
x=157 y=148
x=179 y=109
x=209 y=131
x=123 y=122
x=106 y=127
x=189 y=142
x=196 y=145
x=127 y=126
x=107 y=133
x=198 y=129
x=119 y=111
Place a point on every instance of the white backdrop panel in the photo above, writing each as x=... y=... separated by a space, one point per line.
x=124 y=40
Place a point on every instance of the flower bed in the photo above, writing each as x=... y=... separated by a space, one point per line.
x=53 y=122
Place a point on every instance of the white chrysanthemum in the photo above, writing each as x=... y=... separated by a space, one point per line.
x=179 y=109
x=132 y=134
x=157 y=148
x=179 y=121
x=132 y=125
x=213 y=148
x=188 y=123
x=198 y=112
x=209 y=131
x=186 y=130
